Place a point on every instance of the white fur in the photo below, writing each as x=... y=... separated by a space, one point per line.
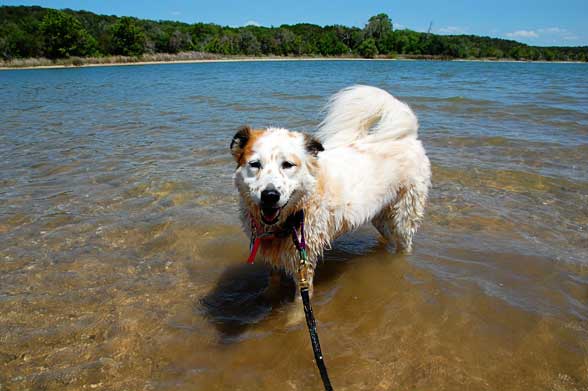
x=374 y=153
x=373 y=169
x=287 y=182
x=354 y=111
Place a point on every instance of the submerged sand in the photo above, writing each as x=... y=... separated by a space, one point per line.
x=122 y=262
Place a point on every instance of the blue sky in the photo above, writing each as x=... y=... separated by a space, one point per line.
x=536 y=22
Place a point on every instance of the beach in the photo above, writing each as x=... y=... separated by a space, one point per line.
x=122 y=258
x=211 y=57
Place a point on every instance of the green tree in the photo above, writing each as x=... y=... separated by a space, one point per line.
x=128 y=39
x=329 y=45
x=224 y=44
x=64 y=36
x=179 y=41
x=36 y=31
x=287 y=42
x=400 y=41
x=248 y=43
x=16 y=42
x=203 y=33
x=379 y=27
x=368 y=48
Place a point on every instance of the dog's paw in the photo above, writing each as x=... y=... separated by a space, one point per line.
x=271 y=293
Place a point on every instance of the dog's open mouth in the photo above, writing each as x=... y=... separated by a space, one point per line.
x=270 y=215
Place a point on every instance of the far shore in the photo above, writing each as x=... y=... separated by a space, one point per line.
x=187 y=58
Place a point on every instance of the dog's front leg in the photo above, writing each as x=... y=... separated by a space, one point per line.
x=273 y=284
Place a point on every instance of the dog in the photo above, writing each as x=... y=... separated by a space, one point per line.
x=364 y=164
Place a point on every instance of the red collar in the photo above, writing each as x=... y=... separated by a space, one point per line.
x=294 y=224
x=257 y=235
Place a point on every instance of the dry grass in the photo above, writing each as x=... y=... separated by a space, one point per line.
x=203 y=56
x=154 y=58
x=81 y=61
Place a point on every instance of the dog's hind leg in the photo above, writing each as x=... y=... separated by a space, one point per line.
x=399 y=221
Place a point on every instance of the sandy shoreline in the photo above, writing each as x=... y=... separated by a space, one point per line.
x=268 y=59
x=244 y=59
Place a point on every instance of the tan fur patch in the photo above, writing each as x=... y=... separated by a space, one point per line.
x=294 y=159
x=254 y=135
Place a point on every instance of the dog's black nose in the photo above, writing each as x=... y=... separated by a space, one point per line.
x=270 y=197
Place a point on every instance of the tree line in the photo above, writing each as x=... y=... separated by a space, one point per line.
x=42 y=32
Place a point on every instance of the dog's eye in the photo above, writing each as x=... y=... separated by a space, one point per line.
x=255 y=164
x=287 y=165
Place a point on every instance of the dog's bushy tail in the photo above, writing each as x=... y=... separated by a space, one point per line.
x=364 y=112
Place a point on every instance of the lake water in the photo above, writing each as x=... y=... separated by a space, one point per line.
x=122 y=263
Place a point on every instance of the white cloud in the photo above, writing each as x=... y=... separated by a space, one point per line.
x=552 y=30
x=523 y=34
x=570 y=37
x=453 y=30
x=559 y=33
x=176 y=13
x=252 y=23
x=548 y=34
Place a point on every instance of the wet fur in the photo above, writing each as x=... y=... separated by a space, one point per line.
x=365 y=164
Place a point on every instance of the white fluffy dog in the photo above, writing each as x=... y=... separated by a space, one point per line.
x=366 y=165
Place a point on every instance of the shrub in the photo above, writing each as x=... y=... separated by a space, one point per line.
x=64 y=36
x=368 y=48
x=127 y=38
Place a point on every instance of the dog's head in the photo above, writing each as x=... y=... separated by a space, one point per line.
x=276 y=169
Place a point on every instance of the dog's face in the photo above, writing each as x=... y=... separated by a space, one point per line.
x=276 y=169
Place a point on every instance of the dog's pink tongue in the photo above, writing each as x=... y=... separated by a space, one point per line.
x=271 y=216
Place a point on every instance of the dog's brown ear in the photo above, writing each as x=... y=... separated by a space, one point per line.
x=313 y=145
x=239 y=141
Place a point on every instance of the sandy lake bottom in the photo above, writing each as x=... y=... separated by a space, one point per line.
x=122 y=262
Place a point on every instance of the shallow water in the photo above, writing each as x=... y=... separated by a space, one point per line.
x=122 y=260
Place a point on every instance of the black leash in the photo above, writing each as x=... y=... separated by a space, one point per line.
x=314 y=339
x=304 y=287
x=291 y=226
